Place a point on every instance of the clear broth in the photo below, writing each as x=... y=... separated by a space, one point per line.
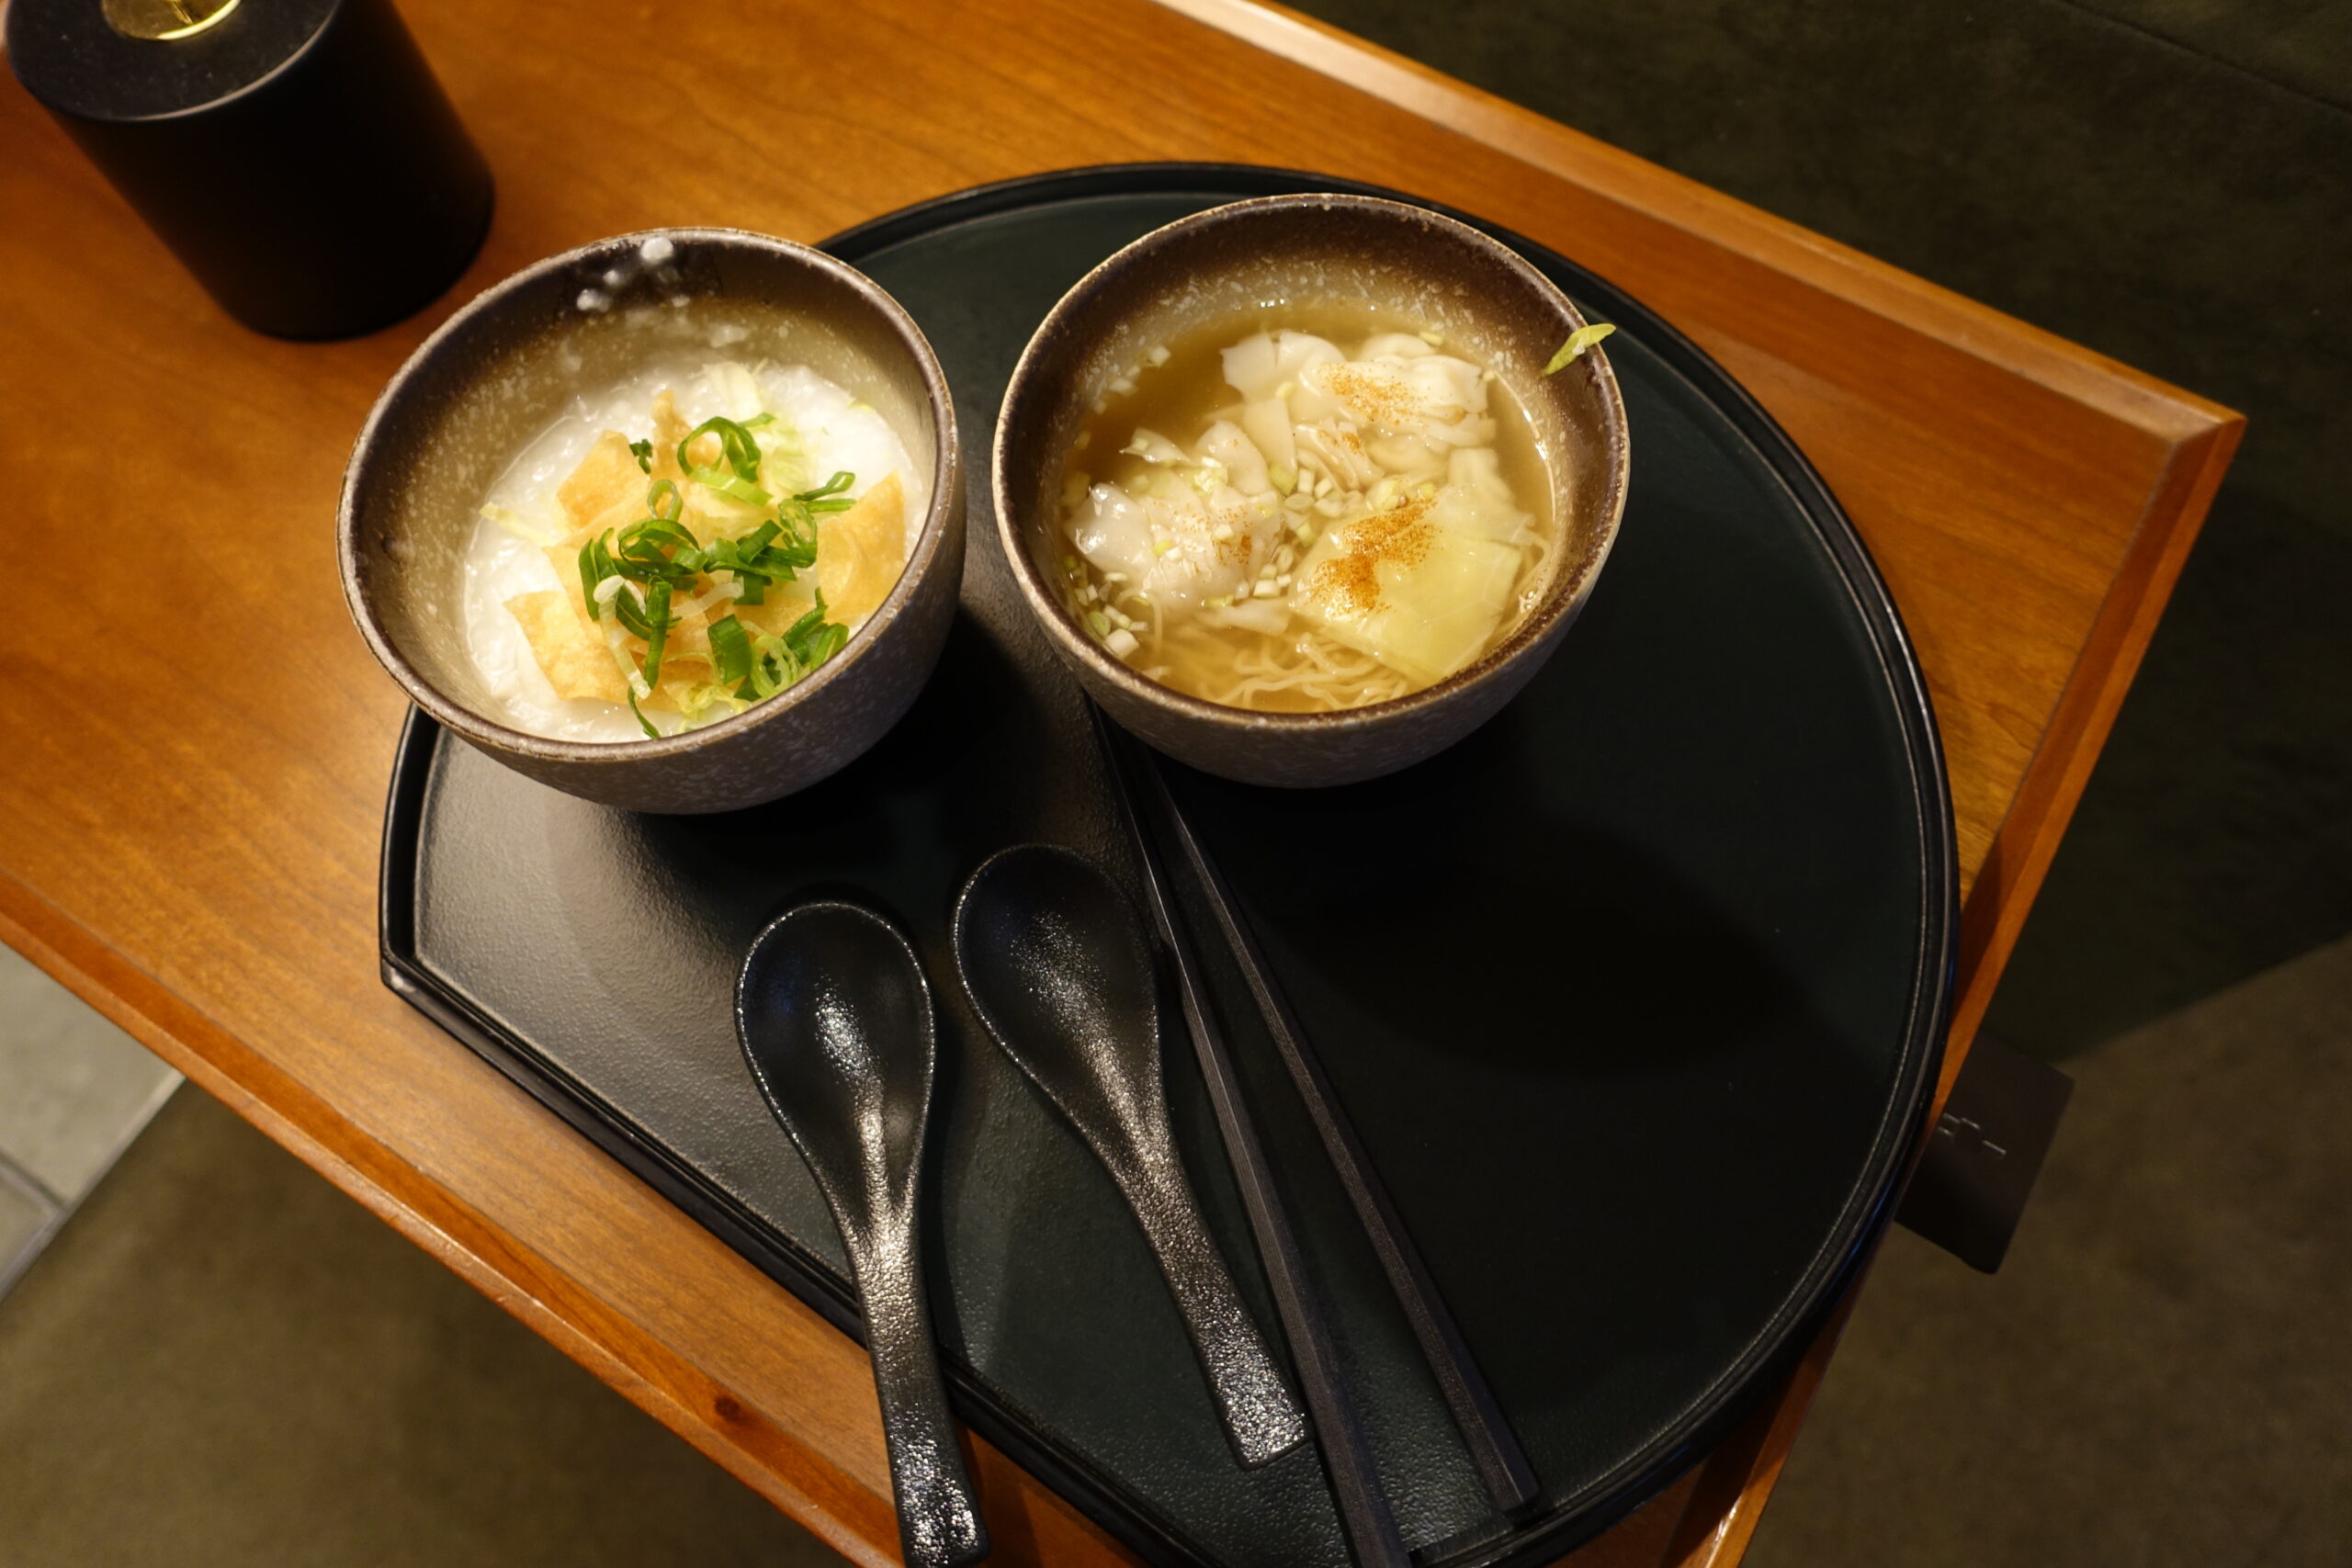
x=1300 y=670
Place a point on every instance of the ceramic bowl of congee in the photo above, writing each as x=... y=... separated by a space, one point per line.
x=1305 y=488
x=672 y=522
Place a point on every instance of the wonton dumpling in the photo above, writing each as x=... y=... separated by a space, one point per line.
x=1113 y=531
x=1435 y=397
x=1395 y=345
x=1408 y=458
x=1421 y=598
x=1244 y=465
x=1476 y=501
x=1267 y=423
x=1261 y=367
x=1339 y=452
x=1178 y=547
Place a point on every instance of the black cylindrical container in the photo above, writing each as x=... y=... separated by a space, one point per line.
x=297 y=155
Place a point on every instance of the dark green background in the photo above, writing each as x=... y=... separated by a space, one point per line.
x=2166 y=181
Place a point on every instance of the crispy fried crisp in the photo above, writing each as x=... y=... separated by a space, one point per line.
x=785 y=604
x=709 y=514
x=573 y=653
x=670 y=427
x=861 y=552
x=570 y=651
x=607 y=490
x=682 y=668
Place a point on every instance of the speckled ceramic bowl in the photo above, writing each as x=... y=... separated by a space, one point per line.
x=1510 y=317
x=498 y=373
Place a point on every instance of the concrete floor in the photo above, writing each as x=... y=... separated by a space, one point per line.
x=2160 y=1371
x=223 y=1362
x=74 y=1090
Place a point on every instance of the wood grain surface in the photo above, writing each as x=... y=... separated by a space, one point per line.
x=197 y=744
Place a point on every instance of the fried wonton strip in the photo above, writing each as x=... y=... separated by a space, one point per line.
x=861 y=553
x=783 y=604
x=691 y=632
x=571 y=653
x=607 y=490
x=680 y=672
x=670 y=427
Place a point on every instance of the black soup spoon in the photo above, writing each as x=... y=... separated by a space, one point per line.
x=1056 y=964
x=835 y=1020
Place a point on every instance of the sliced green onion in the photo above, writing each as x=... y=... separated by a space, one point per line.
x=739 y=452
x=630 y=614
x=643 y=451
x=595 y=565
x=658 y=617
x=829 y=496
x=772 y=670
x=777 y=662
x=813 y=639
x=643 y=539
x=730 y=485
x=730 y=652
x=1579 y=341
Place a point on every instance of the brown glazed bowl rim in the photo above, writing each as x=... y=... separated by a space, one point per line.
x=1562 y=598
x=946 y=478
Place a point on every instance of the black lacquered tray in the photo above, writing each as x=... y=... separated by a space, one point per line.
x=1636 y=996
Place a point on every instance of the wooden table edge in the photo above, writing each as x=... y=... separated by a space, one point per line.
x=1734 y=1484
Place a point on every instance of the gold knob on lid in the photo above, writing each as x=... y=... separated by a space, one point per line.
x=164 y=20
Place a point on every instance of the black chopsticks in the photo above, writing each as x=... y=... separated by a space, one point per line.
x=1501 y=1464
x=1366 y=1518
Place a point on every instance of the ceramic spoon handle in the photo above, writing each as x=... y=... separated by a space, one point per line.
x=938 y=1520
x=1260 y=1415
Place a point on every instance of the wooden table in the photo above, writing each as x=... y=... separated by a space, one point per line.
x=197 y=744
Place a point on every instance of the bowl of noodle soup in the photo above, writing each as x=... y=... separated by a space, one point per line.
x=1304 y=489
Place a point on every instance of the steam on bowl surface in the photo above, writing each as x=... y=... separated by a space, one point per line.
x=483 y=457
x=1371 y=515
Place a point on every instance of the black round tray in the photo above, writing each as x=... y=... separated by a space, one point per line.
x=1636 y=996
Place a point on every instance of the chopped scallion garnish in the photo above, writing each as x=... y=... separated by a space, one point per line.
x=658 y=558
x=738 y=451
x=730 y=652
x=1579 y=341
